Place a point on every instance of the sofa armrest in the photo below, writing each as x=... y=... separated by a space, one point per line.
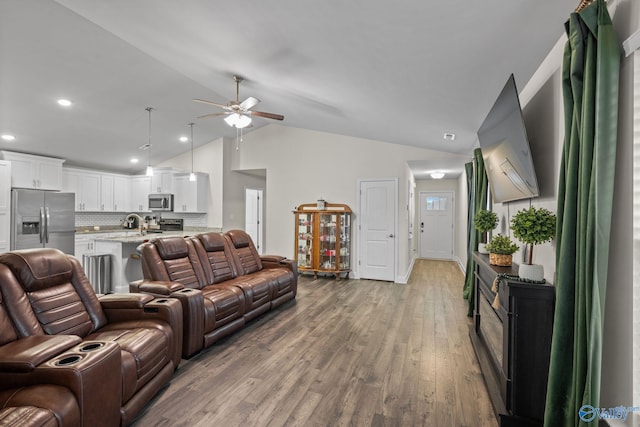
x=25 y=354
x=279 y=262
x=155 y=287
x=124 y=301
x=271 y=258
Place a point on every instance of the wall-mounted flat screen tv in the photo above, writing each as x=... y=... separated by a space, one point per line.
x=505 y=149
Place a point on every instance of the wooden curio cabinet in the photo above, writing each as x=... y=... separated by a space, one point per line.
x=323 y=238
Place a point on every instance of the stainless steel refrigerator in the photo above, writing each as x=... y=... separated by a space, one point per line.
x=42 y=219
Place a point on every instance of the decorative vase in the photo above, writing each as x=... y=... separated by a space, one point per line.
x=500 y=260
x=534 y=272
x=481 y=248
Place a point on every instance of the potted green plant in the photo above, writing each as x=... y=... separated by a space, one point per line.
x=501 y=249
x=484 y=221
x=533 y=227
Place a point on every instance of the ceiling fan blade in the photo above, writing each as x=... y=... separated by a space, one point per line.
x=213 y=115
x=266 y=115
x=249 y=103
x=210 y=103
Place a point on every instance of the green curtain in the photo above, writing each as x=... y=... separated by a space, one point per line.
x=590 y=90
x=478 y=201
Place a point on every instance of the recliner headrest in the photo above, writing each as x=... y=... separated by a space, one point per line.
x=239 y=238
x=38 y=269
x=172 y=247
x=212 y=242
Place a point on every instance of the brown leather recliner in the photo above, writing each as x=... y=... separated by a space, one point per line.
x=114 y=352
x=218 y=289
x=282 y=272
x=171 y=267
x=24 y=404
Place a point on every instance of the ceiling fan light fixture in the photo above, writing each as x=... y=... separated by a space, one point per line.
x=238 y=120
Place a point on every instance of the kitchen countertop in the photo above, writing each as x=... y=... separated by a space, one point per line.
x=136 y=237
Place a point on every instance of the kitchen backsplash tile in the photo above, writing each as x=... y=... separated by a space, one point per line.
x=103 y=219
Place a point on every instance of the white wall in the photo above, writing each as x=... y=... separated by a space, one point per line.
x=303 y=166
x=617 y=364
x=207 y=158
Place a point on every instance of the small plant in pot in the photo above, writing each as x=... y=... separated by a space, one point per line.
x=533 y=227
x=484 y=221
x=501 y=249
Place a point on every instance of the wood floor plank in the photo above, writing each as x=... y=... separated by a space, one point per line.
x=348 y=352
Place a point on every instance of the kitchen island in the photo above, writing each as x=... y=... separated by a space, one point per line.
x=125 y=260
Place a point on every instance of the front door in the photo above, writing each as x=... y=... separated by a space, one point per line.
x=436 y=225
x=378 y=213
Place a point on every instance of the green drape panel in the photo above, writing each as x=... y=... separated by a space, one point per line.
x=478 y=201
x=590 y=90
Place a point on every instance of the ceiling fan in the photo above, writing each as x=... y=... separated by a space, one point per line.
x=238 y=113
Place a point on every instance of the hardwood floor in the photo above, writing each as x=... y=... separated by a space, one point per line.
x=345 y=353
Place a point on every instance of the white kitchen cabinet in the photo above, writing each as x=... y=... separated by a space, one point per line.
x=86 y=186
x=190 y=196
x=97 y=191
x=106 y=192
x=29 y=171
x=84 y=245
x=121 y=193
x=140 y=189
x=5 y=206
x=162 y=181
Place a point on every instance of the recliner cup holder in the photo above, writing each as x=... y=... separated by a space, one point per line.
x=161 y=300
x=91 y=346
x=185 y=291
x=69 y=360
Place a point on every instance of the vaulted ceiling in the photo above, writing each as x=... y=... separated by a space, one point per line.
x=402 y=72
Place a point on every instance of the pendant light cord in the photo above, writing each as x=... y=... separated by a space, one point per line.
x=191 y=125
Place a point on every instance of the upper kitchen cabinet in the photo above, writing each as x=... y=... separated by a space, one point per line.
x=121 y=193
x=190 y=196
x=86 y=186
x=115 y=193
x=140 y=189
x=29 y=171
x=97 y=191
x=162 y=180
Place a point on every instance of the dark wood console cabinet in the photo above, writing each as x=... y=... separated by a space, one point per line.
x=513 y=343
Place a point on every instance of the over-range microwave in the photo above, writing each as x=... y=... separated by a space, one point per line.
x=161 y=202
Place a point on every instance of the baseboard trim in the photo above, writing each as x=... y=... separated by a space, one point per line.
x=404 y=279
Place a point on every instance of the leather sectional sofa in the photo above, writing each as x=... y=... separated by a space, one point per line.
x=69 y=357
x=220 y=279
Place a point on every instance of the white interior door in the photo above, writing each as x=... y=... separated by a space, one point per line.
x=436 y=224
x=378 y=224
x=253 y=216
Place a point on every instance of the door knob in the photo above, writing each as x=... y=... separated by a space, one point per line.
x=391 y=235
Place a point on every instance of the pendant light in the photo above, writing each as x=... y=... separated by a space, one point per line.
x=149 y=168
x=192 y=175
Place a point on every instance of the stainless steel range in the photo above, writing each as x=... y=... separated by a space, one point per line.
x=171 y=224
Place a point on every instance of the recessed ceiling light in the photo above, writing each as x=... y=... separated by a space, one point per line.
x=7 y=137
x=449 y=136
x=184 y=139
x=437 y=175
x=64 y=102
x=134 y=160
